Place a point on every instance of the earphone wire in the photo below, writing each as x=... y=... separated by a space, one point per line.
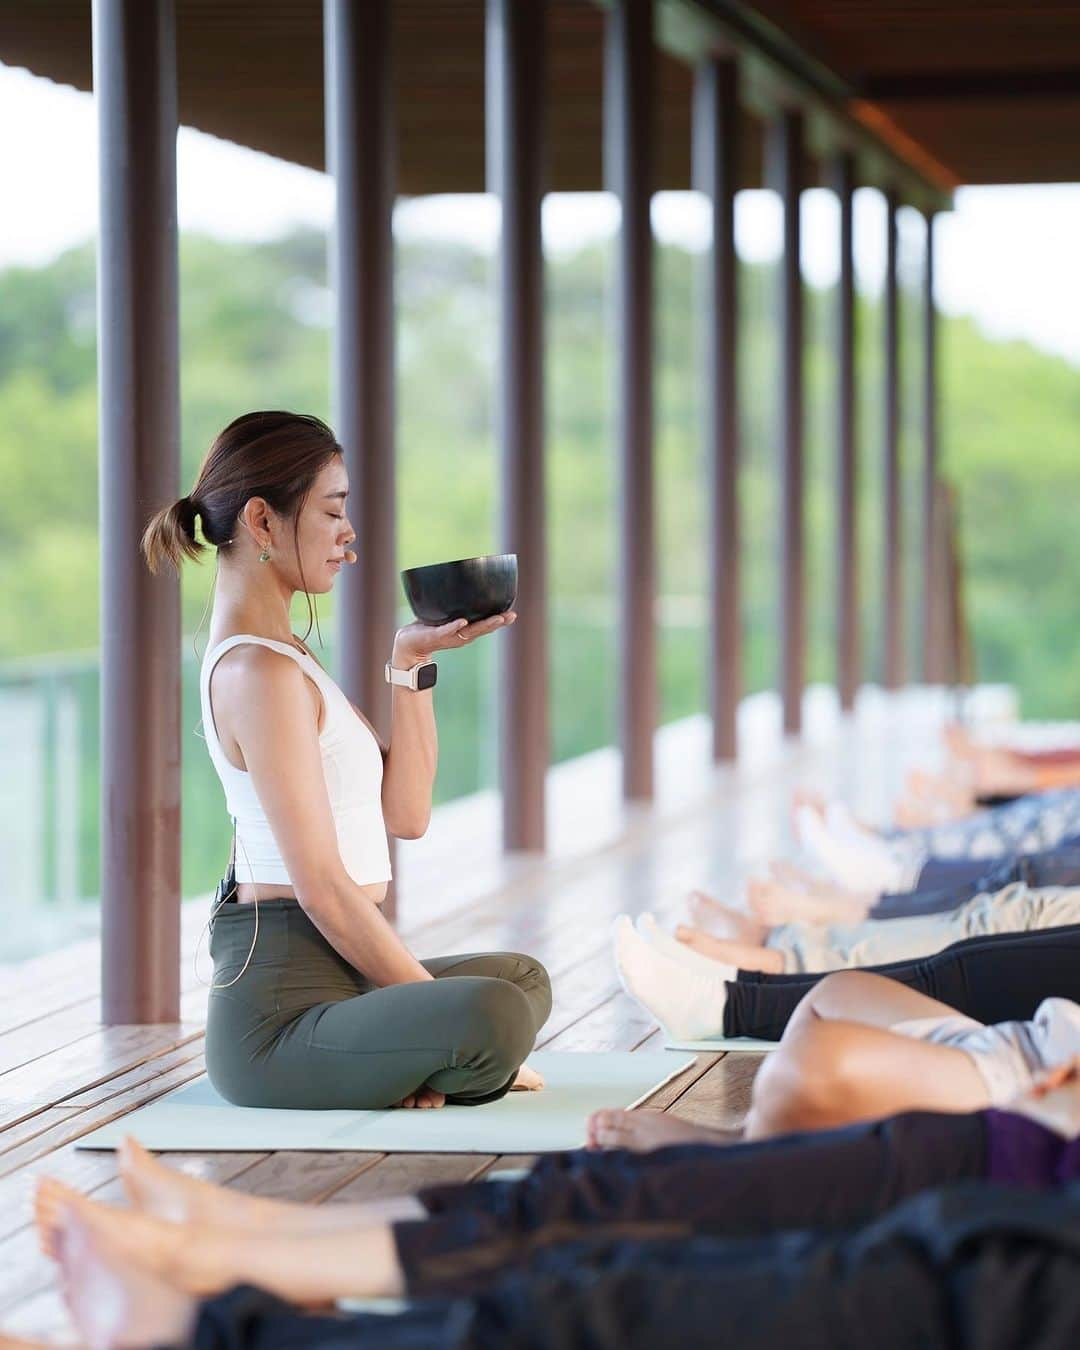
x=209 y=984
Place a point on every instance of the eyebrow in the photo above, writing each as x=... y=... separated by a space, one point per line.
x=329 y=495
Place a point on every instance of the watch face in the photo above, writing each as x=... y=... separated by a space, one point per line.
x=426 y=676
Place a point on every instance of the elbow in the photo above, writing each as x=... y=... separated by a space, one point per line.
x=409 y=826
x=322 y=899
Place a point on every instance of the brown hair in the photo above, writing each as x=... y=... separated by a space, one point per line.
x=274 y=455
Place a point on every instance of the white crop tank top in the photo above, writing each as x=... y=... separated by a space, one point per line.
x=352 y=765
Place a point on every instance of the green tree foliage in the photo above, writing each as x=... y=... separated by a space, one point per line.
x=254 y=326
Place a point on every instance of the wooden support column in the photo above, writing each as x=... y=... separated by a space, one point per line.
x=516 y=34
x=784 y=173
x=931 y=589
x=893 y=570
x=842 y=175
x=716 y=140
x=134 y=60
x=360 y=155
x=629 y=152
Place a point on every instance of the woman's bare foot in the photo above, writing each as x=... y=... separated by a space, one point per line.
x=194 y=1258
x=779 y=901
x=168 y=1194
x=724 y=922
x=114 y=1302
x=706 y=912
x=921 y=813
x=810 y=800
x=643 y=1130
x=527 y=1080
x=423 y=1099
x=952 y=792
x=741 y=955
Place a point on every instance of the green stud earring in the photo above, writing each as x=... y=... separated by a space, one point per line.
x=264 y=556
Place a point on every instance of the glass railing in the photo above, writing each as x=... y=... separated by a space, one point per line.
x=49 y=731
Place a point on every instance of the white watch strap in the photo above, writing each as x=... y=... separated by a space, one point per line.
x=406 y=679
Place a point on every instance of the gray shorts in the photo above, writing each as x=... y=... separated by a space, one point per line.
x=1010 y=1055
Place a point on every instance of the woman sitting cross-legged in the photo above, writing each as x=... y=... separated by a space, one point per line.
x=316 y=1003
x=136 y=1276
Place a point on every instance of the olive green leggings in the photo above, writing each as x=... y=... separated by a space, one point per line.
x=303 y=1028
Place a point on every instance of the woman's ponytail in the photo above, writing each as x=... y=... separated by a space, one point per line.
x=170 y=536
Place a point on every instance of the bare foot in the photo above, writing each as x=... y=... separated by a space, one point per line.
x=112 y=1301
x=527 y=1080
x=741 y=955
x=725 y=922
x=707 y=912
x=166 y=1193
x=643 y=1130
x=811 y=800
x=423 y=1099
x=920 y=813
x=952 y=793
x=776 y=903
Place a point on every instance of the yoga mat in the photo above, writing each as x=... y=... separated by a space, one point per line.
x=732 y=1044
x=195 y=1118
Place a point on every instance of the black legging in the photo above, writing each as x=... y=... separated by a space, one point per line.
x=971 y=1265
x=826 y=1179
x=1000 y=978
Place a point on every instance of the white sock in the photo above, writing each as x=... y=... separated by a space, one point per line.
x=688 y=1006
x=855 y=867
x=670 y=945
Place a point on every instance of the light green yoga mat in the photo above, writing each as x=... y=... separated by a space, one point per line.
x=731 y=1044
x=195 y=1119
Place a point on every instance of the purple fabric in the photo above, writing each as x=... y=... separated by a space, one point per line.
x=1021 y=1152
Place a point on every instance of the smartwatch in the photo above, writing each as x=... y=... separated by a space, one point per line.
x=420 y=676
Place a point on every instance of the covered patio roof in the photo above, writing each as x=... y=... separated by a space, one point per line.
x=957 y=93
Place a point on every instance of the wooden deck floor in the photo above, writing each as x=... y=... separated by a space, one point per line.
x=62 y=1074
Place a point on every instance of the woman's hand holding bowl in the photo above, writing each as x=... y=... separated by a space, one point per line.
x=420 y=641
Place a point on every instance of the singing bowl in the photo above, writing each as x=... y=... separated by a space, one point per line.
x=468 y=588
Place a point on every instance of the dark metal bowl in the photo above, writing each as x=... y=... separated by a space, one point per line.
x=469 y=588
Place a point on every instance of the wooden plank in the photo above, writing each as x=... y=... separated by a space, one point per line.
x=404 y=1173
x=88 y=1065
x=67 y=1131
x=24 y=1272
x=304 y=1176
x=720 y=1099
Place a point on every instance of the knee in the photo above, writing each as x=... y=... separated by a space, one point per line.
x=834 y=994
x=535 y=983
x=498 y=1024
x=803 y=1085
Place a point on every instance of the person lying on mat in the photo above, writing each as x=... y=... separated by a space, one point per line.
x=865 y=859
x=972 y=1264
x=998 y=978
x=315 y=1001
x=795 y=948
x=792 y=895
x=860 y=1046
x=188 y=1239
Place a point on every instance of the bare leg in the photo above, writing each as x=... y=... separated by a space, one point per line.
x=732 y=953
x=157 y=1190
x=200 y=1260
x=111 y=1300
x=861 y=996
x=777 y=902
x=830 y=1073
x=723 y=921
x=644 y=1129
